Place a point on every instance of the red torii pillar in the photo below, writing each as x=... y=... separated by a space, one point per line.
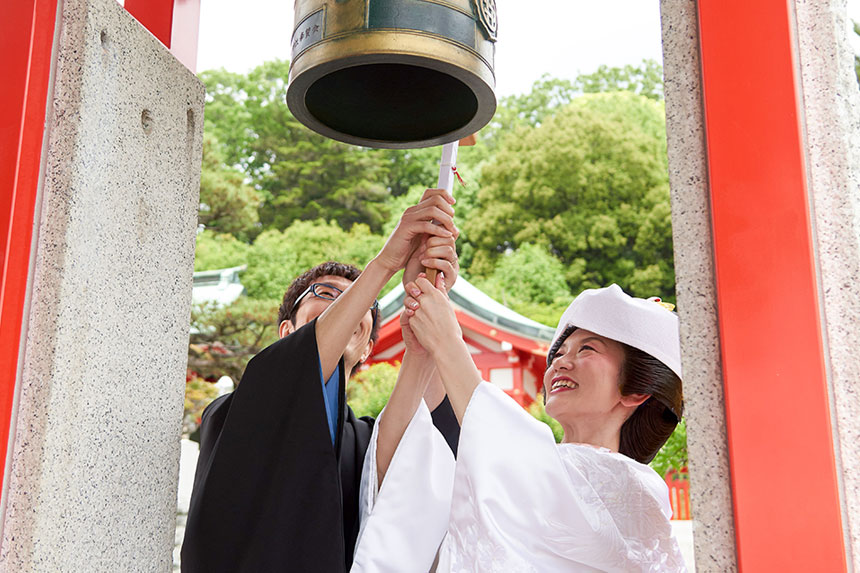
x=26 y=39
x=776 y=393
x=174 y=22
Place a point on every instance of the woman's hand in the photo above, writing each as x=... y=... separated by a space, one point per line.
x=432 y=321
x=413 y=347
x=431 y=317
x=416 y=222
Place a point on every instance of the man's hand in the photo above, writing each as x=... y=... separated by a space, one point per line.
x=438 y=253
x=416 y=222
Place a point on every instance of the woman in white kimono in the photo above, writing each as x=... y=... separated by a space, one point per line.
x=520 y=502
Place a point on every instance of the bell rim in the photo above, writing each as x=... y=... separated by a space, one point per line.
x=300 y=84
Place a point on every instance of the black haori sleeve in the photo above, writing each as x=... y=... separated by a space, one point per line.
x=355 y=440
x=266 y=493
x=446 y=422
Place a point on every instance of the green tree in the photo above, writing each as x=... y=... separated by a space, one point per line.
x=227 y=203
x=277 y=257
x=219 y=251
x=530 y=281
x=368 y=391
x=590 y=184
x=548 y=95
x=227 y=119
x=224 y=338
x=673 y=454
x=407 y=168
x=645 y=79
x=517 y=115
x=300 y=175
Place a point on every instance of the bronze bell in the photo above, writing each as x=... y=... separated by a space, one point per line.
x=393 y=73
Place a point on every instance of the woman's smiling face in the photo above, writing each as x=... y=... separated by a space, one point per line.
x=583 y=379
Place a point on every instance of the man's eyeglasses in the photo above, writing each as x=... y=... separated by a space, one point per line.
x=329 y=292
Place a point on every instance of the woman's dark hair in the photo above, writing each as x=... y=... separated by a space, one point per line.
x=651 y=424
x=298 y=286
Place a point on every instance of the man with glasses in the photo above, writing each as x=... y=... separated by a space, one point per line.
x=280 y=463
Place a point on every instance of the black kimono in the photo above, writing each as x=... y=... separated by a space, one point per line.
x=271 y=493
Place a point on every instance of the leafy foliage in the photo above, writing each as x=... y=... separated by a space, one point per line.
x=407 y=168
x=223 y=339
x=198 y=394
x=645 y=79
x=548 y=95
x=277 y=257
x=368 y=391
x=537 y=410
x=302 y=175
x=227 y=204
x=591 y=186
x=219 y=251
x=530 y=281
x=673 y=454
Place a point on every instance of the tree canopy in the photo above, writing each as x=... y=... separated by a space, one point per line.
x=590 y=185
x=227 y=203
x=299 y=174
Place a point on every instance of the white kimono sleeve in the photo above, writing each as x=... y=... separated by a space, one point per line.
x=523 y=503
x=403 y=523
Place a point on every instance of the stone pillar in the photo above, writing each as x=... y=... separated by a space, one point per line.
x=829 y=111
x=710 y=486
x=95 y=453
x=831 y=106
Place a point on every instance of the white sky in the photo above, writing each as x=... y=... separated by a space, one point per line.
x=559 y=37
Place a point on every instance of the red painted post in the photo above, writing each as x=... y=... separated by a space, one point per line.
x=26 y=40
x=155 y=15
x=783 y=472
x=679 y=493
x=185 y=32
x=175 y=23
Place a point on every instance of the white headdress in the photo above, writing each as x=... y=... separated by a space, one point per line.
x=640 y=323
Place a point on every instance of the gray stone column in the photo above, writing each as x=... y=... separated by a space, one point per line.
x=831 y=108
x=94 y=463
x=710 y=486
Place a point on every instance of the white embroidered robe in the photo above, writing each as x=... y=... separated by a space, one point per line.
x=519 y=501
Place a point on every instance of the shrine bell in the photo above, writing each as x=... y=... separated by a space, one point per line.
x=393 y=73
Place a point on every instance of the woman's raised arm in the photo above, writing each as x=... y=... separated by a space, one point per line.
x=434 y=324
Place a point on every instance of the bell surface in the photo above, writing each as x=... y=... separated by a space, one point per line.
x=393 y=73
